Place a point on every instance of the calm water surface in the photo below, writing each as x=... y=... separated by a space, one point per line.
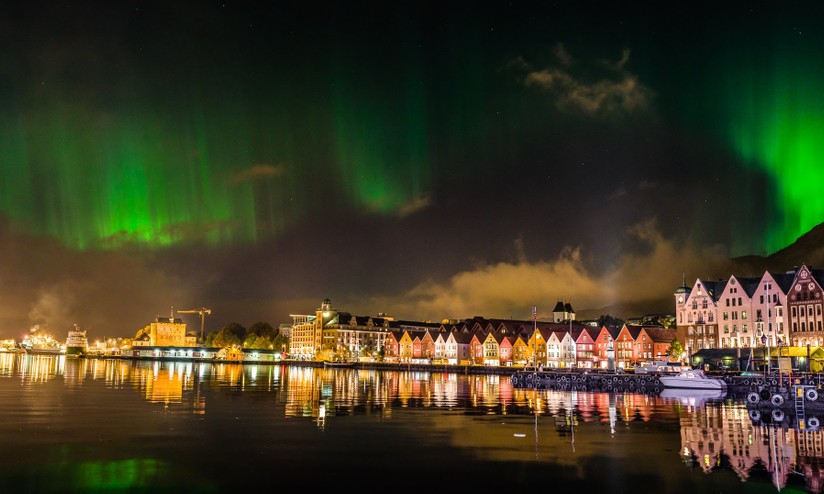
x=86 y=425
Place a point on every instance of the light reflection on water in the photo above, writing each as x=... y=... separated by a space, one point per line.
x=109 y=425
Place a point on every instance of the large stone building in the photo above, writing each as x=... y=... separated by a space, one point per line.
x=773 y=310
x=165 y=331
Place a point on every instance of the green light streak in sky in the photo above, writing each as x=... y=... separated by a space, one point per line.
x=95 y=181
x=381 y=142
x=774 y=107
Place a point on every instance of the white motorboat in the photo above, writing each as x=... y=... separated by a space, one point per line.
x=692 y=379
x=661 y=367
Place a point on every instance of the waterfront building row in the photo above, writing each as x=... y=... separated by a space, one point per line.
x=335 y=335
x=772 y=310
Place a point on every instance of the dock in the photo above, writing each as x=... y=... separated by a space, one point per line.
x=738 y=386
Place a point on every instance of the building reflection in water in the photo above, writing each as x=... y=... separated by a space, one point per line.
x=714 y=435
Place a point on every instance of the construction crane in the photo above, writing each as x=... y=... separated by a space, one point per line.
x=202 y=311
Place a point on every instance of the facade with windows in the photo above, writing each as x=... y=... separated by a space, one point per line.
x=773 y=310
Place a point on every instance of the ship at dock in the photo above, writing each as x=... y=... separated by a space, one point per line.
x=76 y=342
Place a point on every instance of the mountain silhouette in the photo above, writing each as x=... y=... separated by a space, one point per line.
x=807 y=249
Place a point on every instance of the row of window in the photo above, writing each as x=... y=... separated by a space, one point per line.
x=800 y=312
x=730 y=302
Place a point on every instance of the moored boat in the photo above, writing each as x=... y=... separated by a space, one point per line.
x=76 y=342
x=660 y=367
x=692 y=379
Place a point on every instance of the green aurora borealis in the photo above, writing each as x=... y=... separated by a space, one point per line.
x=774 y=112
x=237 y=148
x=424 y=160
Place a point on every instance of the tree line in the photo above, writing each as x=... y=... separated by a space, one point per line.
x=260 y=335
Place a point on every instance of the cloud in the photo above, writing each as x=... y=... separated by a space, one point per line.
x=48 y=285
x=181 y=232
x=619 y=93
x=53 y=303
x=510 y=289
x=414 y=205
x=257 y=172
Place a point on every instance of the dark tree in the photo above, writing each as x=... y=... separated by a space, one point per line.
x=263 y=330
x=609 y=321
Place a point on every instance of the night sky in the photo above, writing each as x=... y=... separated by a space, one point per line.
x=422 y=160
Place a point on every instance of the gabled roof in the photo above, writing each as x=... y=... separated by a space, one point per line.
x=784 y=280
x=634 y=331
x=461 y=337
x=396 y=334
x=715 y=288
x=498 y=336
x=818 y=274
x=590 y=331
x=749 y=285
x=509 y=327
x=545 y=332
x=659 y=334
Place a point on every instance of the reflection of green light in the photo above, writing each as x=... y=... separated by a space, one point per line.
x=116 y=475
x=131 y=475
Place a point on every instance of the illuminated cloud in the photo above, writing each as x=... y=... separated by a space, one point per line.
x=621 y=93
x=53 y=287
x=414 y=205
x=508 y=290
x=256 y=172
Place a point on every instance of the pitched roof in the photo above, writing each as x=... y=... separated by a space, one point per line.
x=749 y=285
x=634 y=331
x=784 y=280
x=659 y=334
x=461 y=337
x=715 y=288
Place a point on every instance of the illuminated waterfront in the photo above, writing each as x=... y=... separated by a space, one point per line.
x=95 y=425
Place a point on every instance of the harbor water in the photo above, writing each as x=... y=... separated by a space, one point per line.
x=115 y=425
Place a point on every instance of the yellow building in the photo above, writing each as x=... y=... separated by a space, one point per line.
x=168 y=331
